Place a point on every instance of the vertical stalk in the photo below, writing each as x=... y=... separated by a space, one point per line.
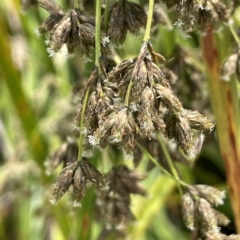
x=81 y=137
x=97 y=56
x=106 y=14
x=226 y=107
x=147 y=33
x=78 y=4
x=98 y=33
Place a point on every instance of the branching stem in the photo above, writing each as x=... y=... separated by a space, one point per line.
x=180 y=182
x=170 y=162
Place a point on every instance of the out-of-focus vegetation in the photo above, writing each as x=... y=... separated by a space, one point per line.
x=37 y=115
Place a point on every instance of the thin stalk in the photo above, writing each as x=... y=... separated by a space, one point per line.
x=170 y=162
x=98 y=33
x=128 y=93
x=81 y=137
x=78 y=4
x=180 y=182
x=147 y=33
x=234 y=33
x=97 y=56
x=106 y=14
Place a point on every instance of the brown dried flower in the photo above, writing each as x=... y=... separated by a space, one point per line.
x=77 y=174
x=188 y=211
x=231 y=66
x=123 y=16
x=115 y=115
x=201 y=13
x=72 y=29
x=114 y=205
x=211 y=194
x=198 y=212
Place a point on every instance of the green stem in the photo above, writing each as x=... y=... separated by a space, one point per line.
x=97 y=64
x=147 y=33
x=234 y=33
x=106 y=14
x=81 y=137
x=170 y=162
x=98 y=33
x=128 y=93
x=162 y=169
x=76 y=4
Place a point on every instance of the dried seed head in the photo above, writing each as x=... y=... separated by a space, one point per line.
x=124 y=182
x=179 y=128
x=211 y=194
x=198 y=121
x=168 y=98
x=58 y=157
x=210 y=235
x=115 y=210
x=49 y=23
x=118 y=128
x=205 y=216
x=198 y=145
x=124 y=16
x=72 y=29
x=92 y=174
x=59 y=34
x=79 y=184
x=221 y=218
x=135 y=16
x=230 y=66
x=201 y=13
x=50 y=6
x=64 y=182
x=188 y=211
x=146 y=110
x=117 y=29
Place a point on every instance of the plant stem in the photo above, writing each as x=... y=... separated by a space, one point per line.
x=128 y=93
x=234 y=33
x=147 y=33
x=97 y=56
x=106 y=14
x=98 y=33
x=162 y=169
x=170 y=162
x=76 y=4
x=81 y=137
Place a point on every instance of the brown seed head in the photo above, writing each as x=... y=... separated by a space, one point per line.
x=211 y=194
x=79 y=184
x=205 y=216
x=188 y=211
x=64 y=182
